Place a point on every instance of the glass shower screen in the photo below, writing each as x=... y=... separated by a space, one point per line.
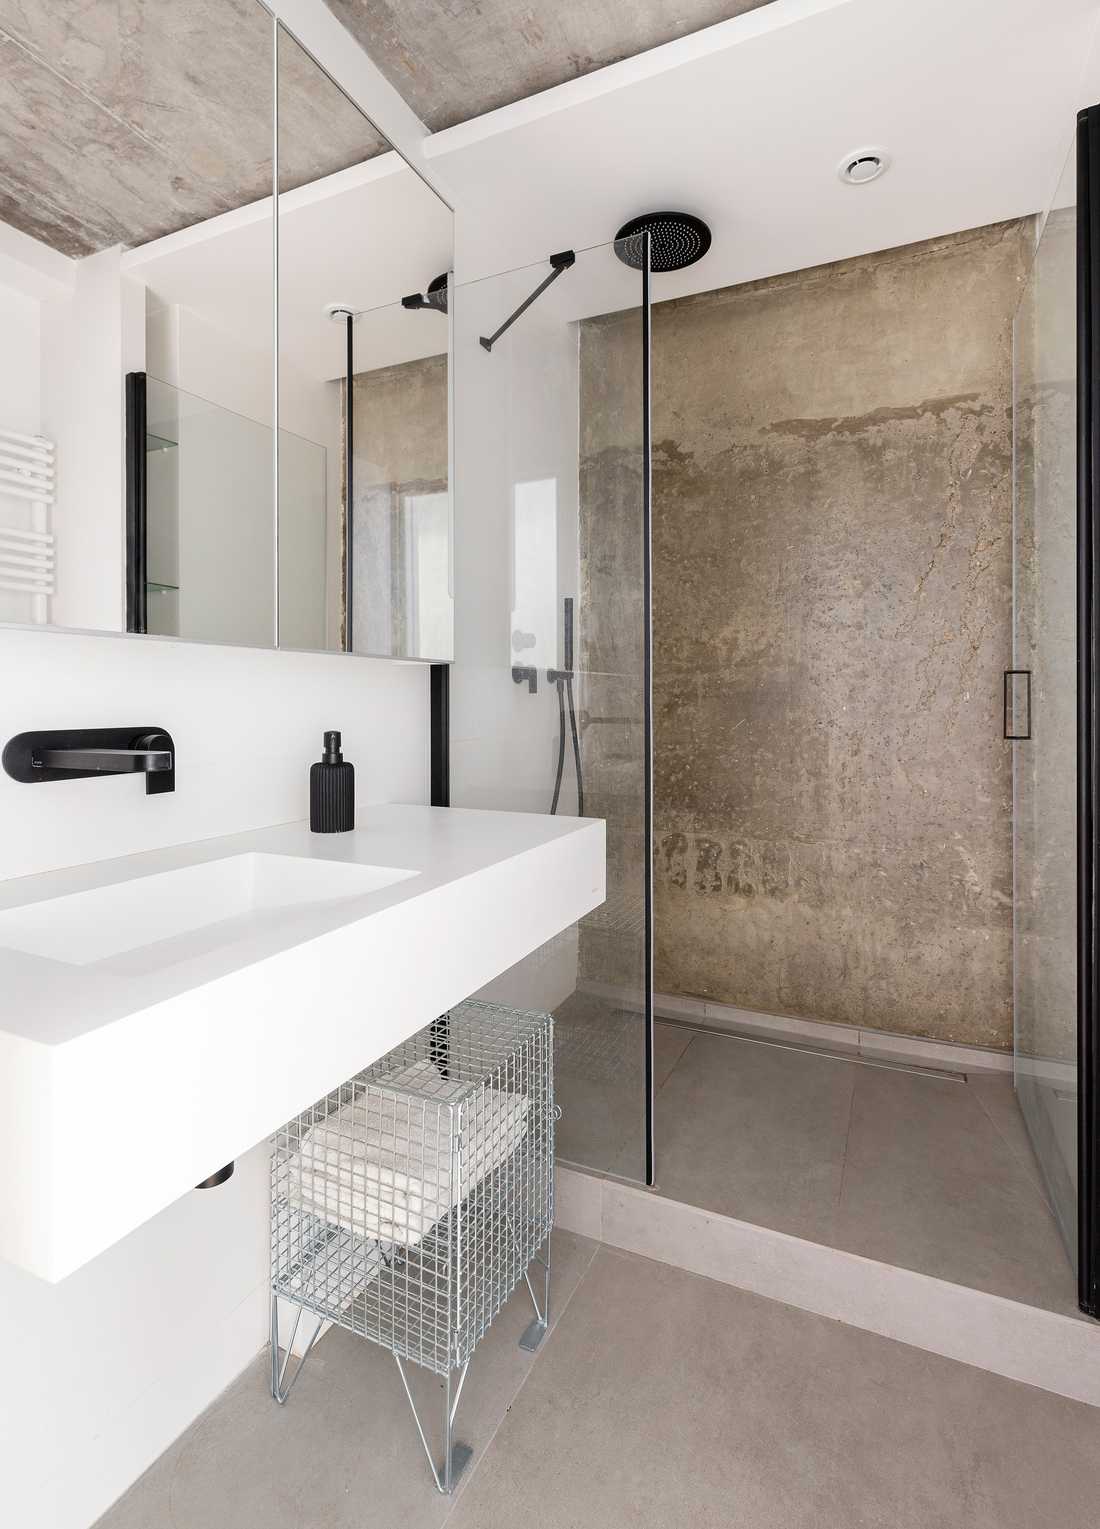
x=1041 y=708
x=549 y=686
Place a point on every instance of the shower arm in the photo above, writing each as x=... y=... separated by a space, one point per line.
x=560 y=262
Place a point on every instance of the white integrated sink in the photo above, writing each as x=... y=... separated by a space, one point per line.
x=224 y=900
x=164 y=1013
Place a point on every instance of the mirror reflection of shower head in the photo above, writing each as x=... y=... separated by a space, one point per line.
x=676 y=240
x=435 y=297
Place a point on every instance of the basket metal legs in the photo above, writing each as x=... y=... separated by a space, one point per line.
x=280 y=1386
x=455 y=1456
x=535 y=1331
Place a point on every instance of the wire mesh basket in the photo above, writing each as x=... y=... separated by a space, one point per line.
x=408 y=1204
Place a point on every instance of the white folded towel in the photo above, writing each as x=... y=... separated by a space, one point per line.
x=386 y=1167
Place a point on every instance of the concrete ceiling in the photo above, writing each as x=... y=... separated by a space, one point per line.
x=456 y=60
x=124 y=120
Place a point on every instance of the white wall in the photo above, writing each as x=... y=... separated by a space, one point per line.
x=225 y=497
x=515 y=421
x=20 y=371
x=305 y=472
x=84 y=359
x=103 y=1371
x=310 y=592
x=226 y=526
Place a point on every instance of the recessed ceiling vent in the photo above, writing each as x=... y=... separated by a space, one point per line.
x=676 y=240
x=863 y=165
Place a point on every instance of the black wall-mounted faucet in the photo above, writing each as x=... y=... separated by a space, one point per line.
x=526 y=674
x=77 y=753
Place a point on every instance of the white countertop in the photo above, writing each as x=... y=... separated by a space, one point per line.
x=125 y=1082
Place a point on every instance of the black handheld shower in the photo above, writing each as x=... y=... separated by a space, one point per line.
x=563 y=679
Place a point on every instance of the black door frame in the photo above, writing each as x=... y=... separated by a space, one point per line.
x=1088 y=709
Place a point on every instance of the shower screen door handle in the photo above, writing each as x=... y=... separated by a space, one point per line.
x=1010 y=731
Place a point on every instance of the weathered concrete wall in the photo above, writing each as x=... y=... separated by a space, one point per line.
x=832 y=561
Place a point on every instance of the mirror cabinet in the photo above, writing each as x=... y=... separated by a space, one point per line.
x=225 y=383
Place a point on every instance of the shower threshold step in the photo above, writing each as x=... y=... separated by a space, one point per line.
x=1054 y=1351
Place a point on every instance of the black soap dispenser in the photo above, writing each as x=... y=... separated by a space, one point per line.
x=332 y=791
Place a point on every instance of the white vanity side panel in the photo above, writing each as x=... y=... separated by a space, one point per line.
x=27 y=1184
x=104 y=1370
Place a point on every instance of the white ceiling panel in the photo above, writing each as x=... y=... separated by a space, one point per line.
x=746 y=123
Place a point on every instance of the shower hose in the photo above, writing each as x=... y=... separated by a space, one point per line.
x=565 y=690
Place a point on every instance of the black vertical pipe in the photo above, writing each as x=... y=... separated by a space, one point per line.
x=137 y=504
x=439 y=694
x=349 y=491
x=647 y=687
x=1088 y=670
x=440 y=701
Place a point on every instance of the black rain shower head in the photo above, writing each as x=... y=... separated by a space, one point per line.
x=676 y=240
x=435 y=297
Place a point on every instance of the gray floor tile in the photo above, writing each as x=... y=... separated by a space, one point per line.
x=599 y=1082
x=755 y=1131
x=343 y=1451
x=669 y=1044
x=930 y=1173
x=997 y=1096
x=930 y=1183
x=664 y=1399
x=599 y=1079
